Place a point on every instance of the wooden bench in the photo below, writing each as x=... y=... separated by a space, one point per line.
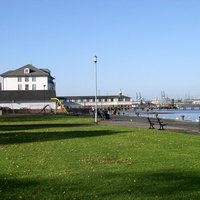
x=161 y=123
x=156 y=121
x=151 y=123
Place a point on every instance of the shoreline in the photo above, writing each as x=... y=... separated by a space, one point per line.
x=142 y=122
x=190 y=115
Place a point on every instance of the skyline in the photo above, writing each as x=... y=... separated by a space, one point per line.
x=142 y=46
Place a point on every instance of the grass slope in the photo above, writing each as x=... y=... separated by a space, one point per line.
x=60 y=157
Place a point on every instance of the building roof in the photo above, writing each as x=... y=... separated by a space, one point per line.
x=33 y=71
x=26 y=95
x=92 y=97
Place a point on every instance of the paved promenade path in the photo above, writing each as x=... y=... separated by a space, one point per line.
x=142 y=122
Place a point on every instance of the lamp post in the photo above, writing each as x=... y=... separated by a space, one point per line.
x=44 y=98
x=95 y=65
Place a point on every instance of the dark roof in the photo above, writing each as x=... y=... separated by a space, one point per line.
x=33 y=72
x=26 y=95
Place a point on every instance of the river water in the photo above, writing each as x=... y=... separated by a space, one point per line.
x=189 y=115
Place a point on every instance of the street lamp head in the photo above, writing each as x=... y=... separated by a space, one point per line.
x=95 y=59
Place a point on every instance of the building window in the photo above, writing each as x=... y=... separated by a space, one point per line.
x=26 y=87
x=19 y=86
x=26 y=79
x=26 y=71
x=34 y=87
x=33 y=79
x=19 y=79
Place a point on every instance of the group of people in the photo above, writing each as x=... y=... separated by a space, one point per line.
x=103 y=114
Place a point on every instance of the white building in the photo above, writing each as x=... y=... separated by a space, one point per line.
x=109 y=101
x=27 y=77
x=27 y=87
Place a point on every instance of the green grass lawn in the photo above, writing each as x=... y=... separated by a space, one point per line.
x=62 y=157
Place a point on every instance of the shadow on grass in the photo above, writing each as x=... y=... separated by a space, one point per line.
x=27 y=137
x=17 y=127
x=162 y=185
x=16 y=188
x=172 y=184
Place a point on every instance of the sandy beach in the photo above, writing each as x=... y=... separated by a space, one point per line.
x=142 y=122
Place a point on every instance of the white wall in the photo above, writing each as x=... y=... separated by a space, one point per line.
x=41 y=81
x=38 y=105
x=12 y=83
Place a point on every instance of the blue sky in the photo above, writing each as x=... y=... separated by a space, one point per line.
x=145 y=46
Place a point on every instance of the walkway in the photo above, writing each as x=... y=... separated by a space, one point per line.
x=141 y=122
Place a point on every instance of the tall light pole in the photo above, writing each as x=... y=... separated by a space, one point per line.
x=95 y=65
x=44 y=98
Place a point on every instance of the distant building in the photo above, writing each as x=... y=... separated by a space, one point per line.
x=108 y=101
x=27 y=87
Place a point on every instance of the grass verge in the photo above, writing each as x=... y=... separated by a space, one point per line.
x=61 y=157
